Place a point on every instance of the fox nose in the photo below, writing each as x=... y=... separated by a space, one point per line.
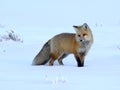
x=81 y=40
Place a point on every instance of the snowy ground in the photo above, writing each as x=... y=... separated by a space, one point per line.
x=101 y=71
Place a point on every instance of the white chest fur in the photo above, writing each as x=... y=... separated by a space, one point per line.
x=84 y=49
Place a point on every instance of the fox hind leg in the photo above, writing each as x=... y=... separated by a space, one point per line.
x=51 y=62
x=53 y=58
x=61 y=58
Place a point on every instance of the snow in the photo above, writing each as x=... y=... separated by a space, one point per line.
x=101 y=71
x=37 y=23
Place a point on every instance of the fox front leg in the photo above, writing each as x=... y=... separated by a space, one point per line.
x=80 y=59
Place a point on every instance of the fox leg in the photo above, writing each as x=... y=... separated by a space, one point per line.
x=51 y=62
x=80 y=59
x=53 y=58
x=61 y=58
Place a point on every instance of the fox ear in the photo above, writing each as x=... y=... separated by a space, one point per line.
x=75 y=26
x=85 y=26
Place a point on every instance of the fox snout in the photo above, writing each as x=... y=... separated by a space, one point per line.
x=82 y=38
x=84 y=43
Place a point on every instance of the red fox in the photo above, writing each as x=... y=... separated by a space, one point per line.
x=64 y=44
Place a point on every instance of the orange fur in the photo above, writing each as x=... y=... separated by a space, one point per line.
x=63 y=44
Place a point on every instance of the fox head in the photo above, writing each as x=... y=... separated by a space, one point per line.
x=83 y=33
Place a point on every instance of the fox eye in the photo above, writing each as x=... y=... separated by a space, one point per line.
x=84 y=35
x=78 y=35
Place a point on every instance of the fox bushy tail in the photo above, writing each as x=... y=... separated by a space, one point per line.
x=43 y=56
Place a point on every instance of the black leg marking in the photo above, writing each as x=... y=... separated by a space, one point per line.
x=80 y=64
